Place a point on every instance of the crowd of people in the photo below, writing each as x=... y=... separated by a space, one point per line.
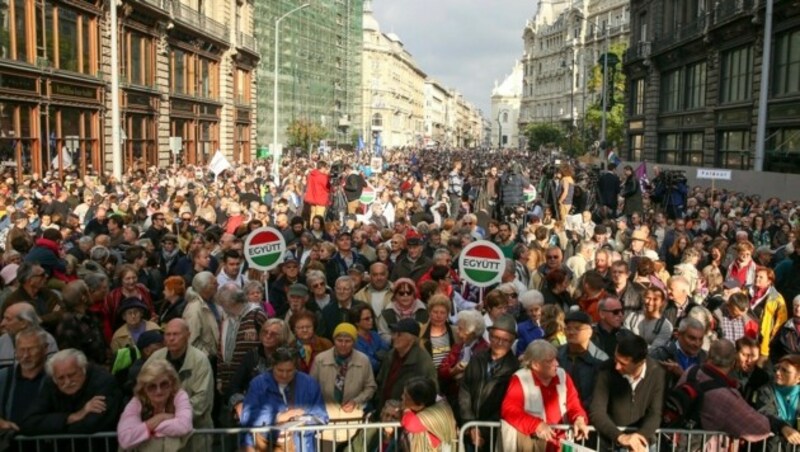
x=128 y=305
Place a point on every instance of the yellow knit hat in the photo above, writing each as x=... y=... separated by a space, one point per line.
x=346 y=328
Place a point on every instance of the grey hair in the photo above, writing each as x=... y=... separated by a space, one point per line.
x=99 y=253
x=85 y=240
x=202 y=280
x=602 y=304
x=230 y=294
x=538 y=350
x=511 y=266
x=94 y=280
x=36 y=332
x=346 y=279
x=144 y=243
x=441 y=252
x=315 y=275
x=253 y=285
x=285 y=332
x=472 y=321
x=796 y=300
x=531 y=298
x=702 y=314
x=64 y=355
x=25 y=271
x=28 y=315
x=680 y=280
x=691 y=323
x=722 y=354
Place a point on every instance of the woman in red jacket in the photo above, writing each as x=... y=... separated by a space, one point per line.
x=540 y=394
x=318 y=190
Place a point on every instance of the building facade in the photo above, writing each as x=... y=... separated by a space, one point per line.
x=504 y=118
x=437 y=124
x=562 y=44
x=319 y=68
x=694 y=70
x=186 y=82
x=393 y=89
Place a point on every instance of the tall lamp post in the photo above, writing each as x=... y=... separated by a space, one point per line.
x=276 y=157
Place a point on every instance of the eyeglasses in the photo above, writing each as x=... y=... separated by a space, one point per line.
x=511 y=294
x=500 y=340
x=468 y=223
x=165 y=385
x=575 y=329
x=404 y=292
x=614 y=311
x=319 y=284
x=553 y=257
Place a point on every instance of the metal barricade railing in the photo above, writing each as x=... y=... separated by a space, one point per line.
x=369 y=436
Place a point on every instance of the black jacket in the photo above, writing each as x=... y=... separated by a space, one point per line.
x=511 y=190
x=481 y=396
x=614 y=404
x=49 y=411
x=608 y=185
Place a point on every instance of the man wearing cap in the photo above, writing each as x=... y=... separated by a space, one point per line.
x=356 y=273
x=9 y=276
x=486 y=378
x=638 y=240
x=170 y=254
x=413 y=264
x=278 y=290
x=580 y=357
x=405 y=360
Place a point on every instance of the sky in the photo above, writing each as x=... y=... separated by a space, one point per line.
x=464 y=44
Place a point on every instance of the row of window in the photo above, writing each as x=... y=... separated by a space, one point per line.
x=733 y=149
x=684 y=88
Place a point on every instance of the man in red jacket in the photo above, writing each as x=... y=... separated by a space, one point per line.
x=318 y=190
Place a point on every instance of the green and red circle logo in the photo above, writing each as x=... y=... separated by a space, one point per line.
x=482 y=263
x=529 y=193
x=264 y=248
x=367 y=195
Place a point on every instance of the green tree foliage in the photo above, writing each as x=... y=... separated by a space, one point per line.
x=615 y=118
x=547 y=135
x=302 y=133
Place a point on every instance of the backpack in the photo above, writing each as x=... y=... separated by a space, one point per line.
x=684 y=402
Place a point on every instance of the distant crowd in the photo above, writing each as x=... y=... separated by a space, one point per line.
x=128 y=305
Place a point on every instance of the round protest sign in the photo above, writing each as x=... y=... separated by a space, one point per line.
x=481 y=263
x=264 y=248
x=367 y=195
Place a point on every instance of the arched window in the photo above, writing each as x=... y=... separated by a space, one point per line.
x=377 y=120
x=505 y=117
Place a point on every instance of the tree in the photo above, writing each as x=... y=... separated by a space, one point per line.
x=303 y=133
x=615 y=117
x=547 y=135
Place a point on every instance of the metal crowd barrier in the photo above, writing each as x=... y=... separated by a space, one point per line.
x=369 y=437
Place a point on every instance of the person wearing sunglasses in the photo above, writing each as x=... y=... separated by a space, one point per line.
x=405 y=304
x=609 y=326
x=159 y=416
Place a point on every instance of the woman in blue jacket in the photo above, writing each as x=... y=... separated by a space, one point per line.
x=279 y=396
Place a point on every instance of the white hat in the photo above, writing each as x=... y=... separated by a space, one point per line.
x=9 y=273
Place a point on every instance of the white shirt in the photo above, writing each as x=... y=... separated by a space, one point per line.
x=634 y=381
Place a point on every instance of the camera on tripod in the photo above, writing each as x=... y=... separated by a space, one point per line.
x=672 y=178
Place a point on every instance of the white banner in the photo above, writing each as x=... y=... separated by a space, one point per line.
x=714 y=174
x=218 y=163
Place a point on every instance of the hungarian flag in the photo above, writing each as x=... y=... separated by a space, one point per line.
x=641 y=174
x=613 y=158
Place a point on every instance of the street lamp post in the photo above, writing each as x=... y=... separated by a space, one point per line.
x=500 y=128
x=276 y=150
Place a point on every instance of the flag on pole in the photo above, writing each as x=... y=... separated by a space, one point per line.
x=641 y=174
x=360 y=146
x=613 y=158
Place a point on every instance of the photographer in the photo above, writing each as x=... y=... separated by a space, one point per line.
x=671 y=191
x=354 y=185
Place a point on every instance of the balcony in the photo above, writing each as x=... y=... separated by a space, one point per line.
x=189 y=16
x=163 y=5
x=683 y=32
x=640 y=50
x=247 y=42
x=727 y=9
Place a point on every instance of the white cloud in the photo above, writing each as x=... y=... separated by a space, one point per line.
x=465 y=44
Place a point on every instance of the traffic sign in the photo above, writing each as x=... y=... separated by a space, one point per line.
x=482 y=263
x=264 y=248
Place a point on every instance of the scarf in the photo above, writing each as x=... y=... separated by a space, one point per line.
x=439 y=421
x=404 y=313
x=169 y=255
x=786 y=398
x=305 y=351
x=342 y=362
